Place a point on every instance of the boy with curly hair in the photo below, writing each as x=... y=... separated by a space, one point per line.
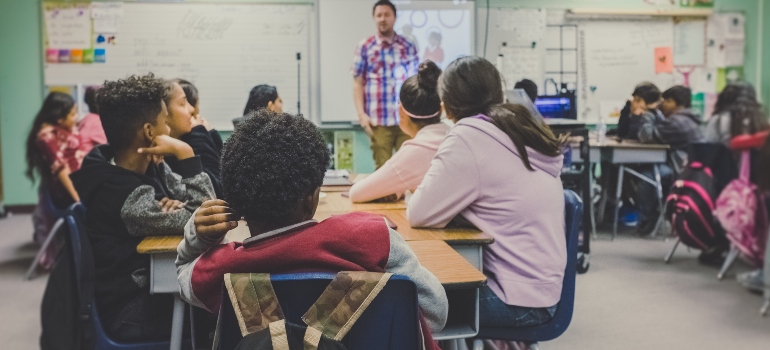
x=130 y=193
x=272 y=170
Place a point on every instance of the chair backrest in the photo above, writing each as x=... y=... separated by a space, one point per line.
x=83 y=261
x=573 y=216
x=390 y=322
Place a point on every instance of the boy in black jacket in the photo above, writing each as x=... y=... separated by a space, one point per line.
x=130 y=193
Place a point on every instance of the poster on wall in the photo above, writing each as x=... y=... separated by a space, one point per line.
x=440 y=35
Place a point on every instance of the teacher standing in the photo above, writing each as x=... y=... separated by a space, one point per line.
x=381 y=64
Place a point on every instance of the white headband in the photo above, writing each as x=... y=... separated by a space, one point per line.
x=420 y=116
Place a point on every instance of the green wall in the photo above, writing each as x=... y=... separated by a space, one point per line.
x=21 y=87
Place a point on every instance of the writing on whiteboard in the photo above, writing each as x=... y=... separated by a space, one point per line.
x=200 y=26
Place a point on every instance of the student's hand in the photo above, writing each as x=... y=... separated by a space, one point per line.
x=366 y=123
x=198 y=120
x=165 y=145
x=214 y=219
x=168 y=205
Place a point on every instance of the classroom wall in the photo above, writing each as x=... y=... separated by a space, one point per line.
x=21 y=82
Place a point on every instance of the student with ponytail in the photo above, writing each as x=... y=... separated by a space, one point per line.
x=499 y=169
x=420 y=118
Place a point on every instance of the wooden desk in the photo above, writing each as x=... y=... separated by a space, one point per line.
x=336 y=203
x=345 y=188
x=460 y=279
x=623 y=152
x=467 y=242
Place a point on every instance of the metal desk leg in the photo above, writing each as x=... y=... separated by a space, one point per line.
x=659 y=189
x=177 y=323
x=618 y=201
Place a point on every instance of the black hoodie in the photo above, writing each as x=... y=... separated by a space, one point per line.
x=123 y=208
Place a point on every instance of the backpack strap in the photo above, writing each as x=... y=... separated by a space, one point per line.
x=341 y=304
x=255 y=303
x=745 y=165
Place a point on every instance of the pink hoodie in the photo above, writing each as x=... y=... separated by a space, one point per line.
x=91 y=132
x=477 y=172
x=405 y=170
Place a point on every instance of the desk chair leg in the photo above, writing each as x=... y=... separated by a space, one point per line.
x=670 y=254
x=32 y=271
x=728 y=262
x=659 y=189
x=763 y=311
x=478 y=344
x=177 y=323
x=618 y=201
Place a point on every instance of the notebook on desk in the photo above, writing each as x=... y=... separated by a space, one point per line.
x=337 y=178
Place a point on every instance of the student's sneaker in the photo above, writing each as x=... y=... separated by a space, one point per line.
x=754 y=281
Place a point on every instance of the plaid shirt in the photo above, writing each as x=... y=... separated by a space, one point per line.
x=384 y=65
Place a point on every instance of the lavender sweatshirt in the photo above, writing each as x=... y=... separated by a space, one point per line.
x=405 y=170
x=477 y=172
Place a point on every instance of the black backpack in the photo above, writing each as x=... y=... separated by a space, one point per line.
x=690 y=207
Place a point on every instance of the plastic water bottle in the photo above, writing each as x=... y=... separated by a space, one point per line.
x=601 y=130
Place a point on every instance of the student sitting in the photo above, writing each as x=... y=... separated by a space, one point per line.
x=90 y=127
x=420 y=118
x=261 y=96
x=54 y=150
x=680 y=128
x=736 y=112
x=130 y=196
x=643 y=106
x=186 y=124
x=529 y=87
x=276 y=190
x=499 y=169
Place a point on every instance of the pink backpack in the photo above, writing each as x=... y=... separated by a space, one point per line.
x=742 y=212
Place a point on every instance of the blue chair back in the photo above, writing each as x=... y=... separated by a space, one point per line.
x=82 y=258
x=573 y=216
x=389 y=323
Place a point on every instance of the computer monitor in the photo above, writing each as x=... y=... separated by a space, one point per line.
x=557 y=107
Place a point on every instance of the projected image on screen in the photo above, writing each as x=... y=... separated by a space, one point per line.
x=440 y=35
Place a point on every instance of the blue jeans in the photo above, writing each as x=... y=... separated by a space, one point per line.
x=493 y=312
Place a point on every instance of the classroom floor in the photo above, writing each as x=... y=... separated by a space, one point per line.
x=629 y=299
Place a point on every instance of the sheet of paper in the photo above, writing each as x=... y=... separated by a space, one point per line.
x=68 y=28
x=699 y=79
x=526 y=26
x=734 y=52
x=106 y=16
x=690 y=43
x=521 y=63
x=664 y=60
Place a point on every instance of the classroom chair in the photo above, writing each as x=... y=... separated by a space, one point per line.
x=49 y=209
x=573 y=212
x=389 y=323
x=766 y=305
x=84 y=273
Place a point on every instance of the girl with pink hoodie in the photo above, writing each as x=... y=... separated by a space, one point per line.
x=498 y=169
x=420 y=118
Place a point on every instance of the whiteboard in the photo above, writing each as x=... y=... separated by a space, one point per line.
x=224 y=49
x=615 y=56
x=345 y=23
